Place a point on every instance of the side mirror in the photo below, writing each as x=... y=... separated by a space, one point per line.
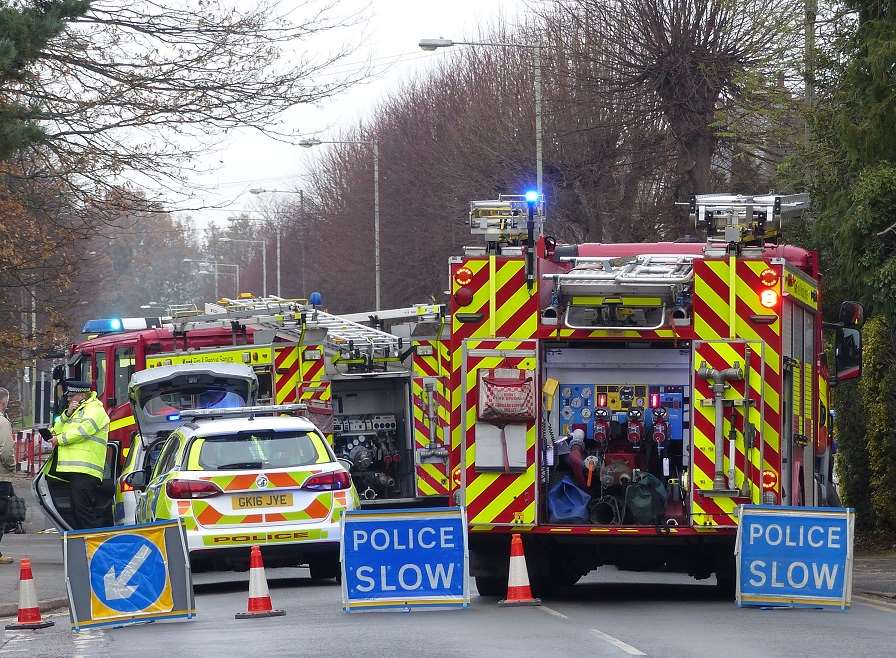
x=346 y=464
x=847 y=354
x=852 y=314
x=136 y=479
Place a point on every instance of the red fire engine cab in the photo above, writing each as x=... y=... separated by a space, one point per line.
x=618 y=402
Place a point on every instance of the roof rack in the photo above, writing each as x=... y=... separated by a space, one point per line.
x=745 y=219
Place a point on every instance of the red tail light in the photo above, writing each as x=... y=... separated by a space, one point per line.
x=328 y=481
x=192 y=489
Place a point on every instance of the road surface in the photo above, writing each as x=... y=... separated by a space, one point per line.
x=608 y=614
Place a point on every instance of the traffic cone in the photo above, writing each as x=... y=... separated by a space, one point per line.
x=518 y=590
x=29 y=612
x=259 y=597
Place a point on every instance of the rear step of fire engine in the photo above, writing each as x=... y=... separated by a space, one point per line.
x=291 y=318
x=642 y=281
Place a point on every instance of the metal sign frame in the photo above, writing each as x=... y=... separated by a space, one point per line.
x=179 y=577
x=403 y=603
x=841 y=602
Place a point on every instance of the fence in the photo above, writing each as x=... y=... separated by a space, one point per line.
x=31 y=451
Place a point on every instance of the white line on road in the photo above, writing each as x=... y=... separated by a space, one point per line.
x=553 y=612
x=619 y=644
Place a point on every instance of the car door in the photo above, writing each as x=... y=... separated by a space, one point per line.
x=147 y=505
x=52 y=491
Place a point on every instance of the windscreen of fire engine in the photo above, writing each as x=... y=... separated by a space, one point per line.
x=206 y=396
x=256 y=450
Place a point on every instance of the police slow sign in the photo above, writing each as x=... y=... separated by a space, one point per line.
x=404 y=559
x=795 y=556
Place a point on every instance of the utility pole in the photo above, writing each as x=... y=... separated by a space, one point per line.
x=303 y=231
x=376 y=222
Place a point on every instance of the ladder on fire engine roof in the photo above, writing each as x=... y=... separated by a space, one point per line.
x=655 y=275
x=289 y=318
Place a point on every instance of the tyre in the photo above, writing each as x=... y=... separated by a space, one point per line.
x=324 y=569
x=726 y=583
x=491 y=586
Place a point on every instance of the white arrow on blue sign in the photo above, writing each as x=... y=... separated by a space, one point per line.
x=134 y=586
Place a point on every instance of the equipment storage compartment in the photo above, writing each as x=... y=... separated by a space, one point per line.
x=370 y=431
x=616 y=433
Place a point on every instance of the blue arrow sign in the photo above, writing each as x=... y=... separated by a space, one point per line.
x=128 y=573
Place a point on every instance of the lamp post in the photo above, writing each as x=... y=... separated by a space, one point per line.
x=264 y=259
x=216 y=265
x=308 y=143
x=261 y=190
x=434 y=44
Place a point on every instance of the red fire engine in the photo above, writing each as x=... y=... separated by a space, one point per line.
x=618 y=402
x=375 y=383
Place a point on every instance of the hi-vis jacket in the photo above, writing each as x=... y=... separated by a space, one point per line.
x=82 y=439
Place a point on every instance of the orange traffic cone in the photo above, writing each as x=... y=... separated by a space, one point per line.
x=518 y=590
x=29 y=612
x=259 y=597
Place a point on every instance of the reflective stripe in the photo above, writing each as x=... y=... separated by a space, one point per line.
x=87 y=465
x=88 y=419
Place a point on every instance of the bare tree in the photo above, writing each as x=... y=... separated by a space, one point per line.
x=134 y=91
x=708 y=68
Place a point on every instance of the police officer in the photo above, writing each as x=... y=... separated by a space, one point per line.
x=81 y=433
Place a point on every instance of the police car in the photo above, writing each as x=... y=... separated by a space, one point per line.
x=158 y=396
x=239 y=477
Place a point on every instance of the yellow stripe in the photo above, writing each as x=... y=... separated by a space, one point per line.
x=121 y=422
x=732 y=288
x=492 y=302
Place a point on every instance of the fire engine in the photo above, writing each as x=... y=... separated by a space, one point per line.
x=379 y=396
x=618 y=402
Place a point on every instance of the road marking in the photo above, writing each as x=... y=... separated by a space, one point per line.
x=553 y=612
x=619 y=644
x=878 y=604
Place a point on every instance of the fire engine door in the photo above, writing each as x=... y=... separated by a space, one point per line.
x=734 y=428
x=499 y=410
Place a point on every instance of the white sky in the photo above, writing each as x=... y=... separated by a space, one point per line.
x=250 y=160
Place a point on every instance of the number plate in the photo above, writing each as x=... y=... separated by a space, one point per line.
x=256 y=501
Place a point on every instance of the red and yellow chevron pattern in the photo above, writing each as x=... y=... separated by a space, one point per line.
x=431 y=478
x=726 y=303
x=314 y=387
x=497 y=498
x=502 y=304
x=286 y=374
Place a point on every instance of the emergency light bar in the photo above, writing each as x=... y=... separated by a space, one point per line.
x=237 y=412
x=115 y=325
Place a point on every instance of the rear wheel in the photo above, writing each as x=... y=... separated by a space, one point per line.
x=323 y=568
x=490 y=586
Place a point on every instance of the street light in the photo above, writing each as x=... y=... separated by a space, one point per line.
x=261 y=190
x=434 y=44
x=264 y=259
x=216 y=264
x=308 y=143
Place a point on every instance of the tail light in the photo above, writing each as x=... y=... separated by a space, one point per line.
x=328 y=481
x=768 y=298
x=180 y=489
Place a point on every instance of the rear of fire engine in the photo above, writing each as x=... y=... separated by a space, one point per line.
x=618 y=402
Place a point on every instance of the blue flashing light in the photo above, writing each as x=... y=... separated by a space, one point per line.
x=102 y=326
x=172 y=417
x=316 y=299
x=531 y=196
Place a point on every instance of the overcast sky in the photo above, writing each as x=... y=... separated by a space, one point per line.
x=248 y=160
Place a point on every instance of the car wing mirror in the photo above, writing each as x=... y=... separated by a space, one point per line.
x=136 y=479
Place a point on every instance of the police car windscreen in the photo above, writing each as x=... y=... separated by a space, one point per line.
x=248 y=451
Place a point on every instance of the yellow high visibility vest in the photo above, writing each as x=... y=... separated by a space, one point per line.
x=82 y=439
